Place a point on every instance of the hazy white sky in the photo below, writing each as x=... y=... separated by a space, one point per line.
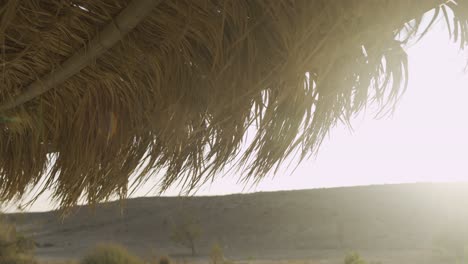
x=426 y=140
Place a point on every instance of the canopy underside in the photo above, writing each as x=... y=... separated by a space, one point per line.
x=175 y=91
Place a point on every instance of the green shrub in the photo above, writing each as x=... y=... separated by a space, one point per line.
x=110 y=254
x=354 y=258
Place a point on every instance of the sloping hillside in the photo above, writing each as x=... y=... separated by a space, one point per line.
x=306 y=222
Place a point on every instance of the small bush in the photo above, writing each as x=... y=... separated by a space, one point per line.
x=7 y=240
x=451 y=246
x=15 y=248
x=19 y=259
x=217 y=254
x=186 y=232
x=110 y=254
x=24 y=244
x=354 y=258
x=164 y=260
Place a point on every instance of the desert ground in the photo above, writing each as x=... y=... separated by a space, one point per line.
x=410 y=223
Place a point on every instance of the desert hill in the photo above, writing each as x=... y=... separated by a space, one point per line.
x=406 y=219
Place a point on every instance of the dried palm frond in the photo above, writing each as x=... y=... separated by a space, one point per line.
x=177 y=93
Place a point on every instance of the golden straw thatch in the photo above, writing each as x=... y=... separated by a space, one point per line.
x=95 y=91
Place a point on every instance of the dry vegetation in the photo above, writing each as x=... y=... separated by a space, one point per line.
x=115 y=254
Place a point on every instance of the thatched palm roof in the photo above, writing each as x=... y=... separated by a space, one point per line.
x=95 y=91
